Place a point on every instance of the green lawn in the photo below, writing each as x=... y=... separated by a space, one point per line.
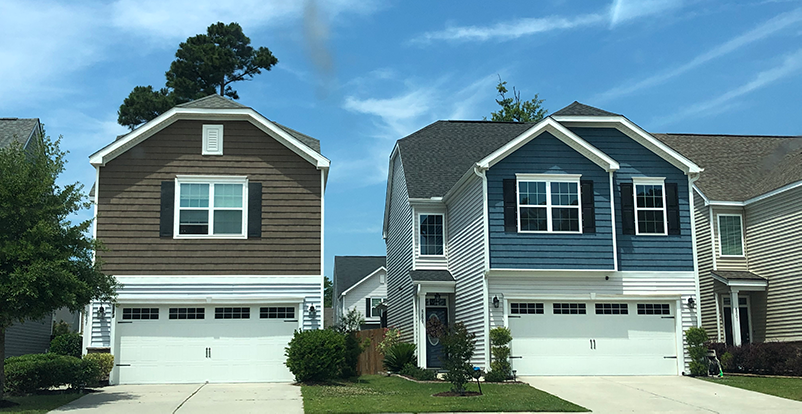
x=373 y=393
x=790 y=388
x=39 y=404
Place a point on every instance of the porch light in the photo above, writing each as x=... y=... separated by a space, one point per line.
x=312 y=311
x=495 y=301
x=101 y=312
x=691 y=303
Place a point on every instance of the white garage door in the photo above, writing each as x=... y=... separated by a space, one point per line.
x=186 y=344
x=593 y=338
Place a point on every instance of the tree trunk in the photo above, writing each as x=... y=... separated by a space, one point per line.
x=2 y=359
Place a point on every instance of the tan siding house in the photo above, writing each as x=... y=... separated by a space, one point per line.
x=211 y=216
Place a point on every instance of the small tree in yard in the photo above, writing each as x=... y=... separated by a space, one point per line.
x=458 y=346
x=696 y=338
x=348 y=325
x=500 y=366
x=46 y=261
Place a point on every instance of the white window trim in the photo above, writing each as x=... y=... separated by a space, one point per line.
x=720 y=245
x=210 y=179
x=548 y=179
x=371 y=317
x=661 y=181
x=205 y=149
x=418 y=238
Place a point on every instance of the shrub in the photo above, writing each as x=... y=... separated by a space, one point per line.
x=767 y=358
x=399 y=355
x=495 y=376
x=420 y=374
x=61 y=328
x=458 y=347
x=353 y=348
x=696 y=338
x=69 y=344
x=315 y=355
x=500 y=367
x=28 y=373
x=105 y=363
x=391 y=337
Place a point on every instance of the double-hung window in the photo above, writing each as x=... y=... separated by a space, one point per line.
x=549 y=203
x=650 y=206
x=374 y=312
x=730 y=235
x=430 y=234
x=211 y=207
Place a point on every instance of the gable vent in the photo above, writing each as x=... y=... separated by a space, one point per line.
x=212 y=140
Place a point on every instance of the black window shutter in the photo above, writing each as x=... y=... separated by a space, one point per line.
x=510 y=206
x=627 y=209
x=254 y=210
x=367 y=308
x=672 y=208
x=166 y=213
x=588 y=207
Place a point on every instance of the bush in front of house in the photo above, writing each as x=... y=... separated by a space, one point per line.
x=400 y=355
x=69 y=344
x=766 y=358
x=420 y=374
x=500 y=368
x=458 y=347
x=29 y=373
x=696 y=339
x=105 y=364
x=316 y=355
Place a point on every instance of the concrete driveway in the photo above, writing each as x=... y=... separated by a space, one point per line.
x=660 y=395
x=190 y=398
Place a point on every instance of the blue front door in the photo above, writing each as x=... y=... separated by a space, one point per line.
x=434 y=349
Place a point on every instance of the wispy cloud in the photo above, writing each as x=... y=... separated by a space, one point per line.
x=791 y=65
x=625 y=10
x=761 y=32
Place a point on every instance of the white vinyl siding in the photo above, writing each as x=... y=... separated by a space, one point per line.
x=372 y=287
x=399 y=254
x=465 y=261
x=704 y=251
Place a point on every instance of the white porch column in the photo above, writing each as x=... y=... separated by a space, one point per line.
x=736 y=317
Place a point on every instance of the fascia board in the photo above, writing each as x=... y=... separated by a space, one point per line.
x=637 y=133
x=726 y=203
x=374 y=273
x=704 y=197
x=213 y=299
x=563 y=134
x=773 y=193
x=116 y=148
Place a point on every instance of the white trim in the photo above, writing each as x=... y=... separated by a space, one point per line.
x=692 y=204
x=388 y=195
x=612 y=222
x=373 y=273
x=417 y=240
x=595 y=297
x=216 y=299
x=679 y=337
x=147 y=130
x=323 y=245
x=235 y=280
x=774 y=192
x=720 y=245
x=726 y=203
x=548 y=179
x=562 y=133
x=594 y=273
x=370 y=317
x=207 y=129
x=711 y=223
x=211 y=181
x=636 y=181
x=745 y=285
x=695 y=187
x=635 y=132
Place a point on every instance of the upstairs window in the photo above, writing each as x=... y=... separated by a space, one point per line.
x=211 y=207
x=730 y=235
x=430 y=234
x=549 y=203
x=650 y=206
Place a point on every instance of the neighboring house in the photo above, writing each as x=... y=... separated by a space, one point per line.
x=575 y=232
x=211 y=216
x=31 y=336
x=360 y=283
x=749 y=226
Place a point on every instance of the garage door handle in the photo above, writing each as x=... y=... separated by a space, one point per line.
x=125 y=321
x=513 y=316
x=123 y=365
x=666 y=317
x=290 y=320
x=516 y=357
x=670 y=357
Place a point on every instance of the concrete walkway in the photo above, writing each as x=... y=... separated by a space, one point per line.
x=190 y=398
x=606 y=395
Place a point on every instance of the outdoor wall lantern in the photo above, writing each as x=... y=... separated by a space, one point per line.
x=312 y=311
x=101 y=312
x=495 y=301
x=691 y=303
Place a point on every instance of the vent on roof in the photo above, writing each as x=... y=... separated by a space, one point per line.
x=212 y=140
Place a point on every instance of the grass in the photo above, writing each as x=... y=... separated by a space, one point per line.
x=374 y=393
x=38 y=403
x=790 y=388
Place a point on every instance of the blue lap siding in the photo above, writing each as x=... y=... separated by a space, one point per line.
x=548 y=155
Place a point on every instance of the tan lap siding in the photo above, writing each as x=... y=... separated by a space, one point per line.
x=129 y=203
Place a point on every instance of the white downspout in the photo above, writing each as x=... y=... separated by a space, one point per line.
x=481 y=173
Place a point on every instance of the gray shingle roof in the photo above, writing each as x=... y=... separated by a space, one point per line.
x=431 y=276
x=310 y=142
x=579 y=109
x=212 y=102
x=740 y=167
x=437 y=156
x=733 y=275
x=348 y=270
x=16 y=130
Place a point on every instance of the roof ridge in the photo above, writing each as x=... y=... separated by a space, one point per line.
x=725 y=135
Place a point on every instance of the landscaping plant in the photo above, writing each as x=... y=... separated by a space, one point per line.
x=420 y=374
x=348 y=325
x=400 y=355
x=316 y=355
x=458 y=346
x=500 y=367
x=391 y=337
x=105 y=364
x=696 y=338
x=67 y=344
x=28 y=373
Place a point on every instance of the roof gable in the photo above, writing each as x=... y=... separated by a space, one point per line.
x=212 y=102
x=350 y=270
x=579 y=109
x=17 y=130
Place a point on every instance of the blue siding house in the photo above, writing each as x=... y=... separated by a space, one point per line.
x=574 y=232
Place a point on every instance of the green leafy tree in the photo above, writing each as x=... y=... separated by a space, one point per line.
x=205 y=64
x=328 y=292
x=513 y=109
x=458 y=347
x=46 y=261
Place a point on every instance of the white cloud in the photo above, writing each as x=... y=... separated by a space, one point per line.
x=625 y=10
x=791 y=65
x=761 y=32
x=513 y=30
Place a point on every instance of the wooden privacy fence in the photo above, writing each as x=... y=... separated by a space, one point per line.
x=370 y=361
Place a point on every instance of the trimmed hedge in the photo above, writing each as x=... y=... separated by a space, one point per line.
x=69 y=344
x=316 y=355
x=28 y=373
x=105 y=363
x=767 y=358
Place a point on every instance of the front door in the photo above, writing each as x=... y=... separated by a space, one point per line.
x=743 y=314
x=434 y=349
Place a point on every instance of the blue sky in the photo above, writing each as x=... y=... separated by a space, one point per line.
x=360 y=74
